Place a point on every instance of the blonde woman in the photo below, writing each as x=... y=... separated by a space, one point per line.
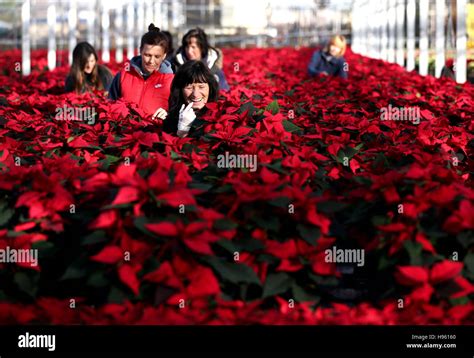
x=330 y=60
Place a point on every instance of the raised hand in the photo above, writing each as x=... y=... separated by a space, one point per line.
x=160 y=113
x=186 y=118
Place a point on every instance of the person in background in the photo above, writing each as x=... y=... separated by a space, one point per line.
x=170 y=53
x=193 y=87
x=86 y=75
x=195 y=46
x=146 y=79
x=330 y=60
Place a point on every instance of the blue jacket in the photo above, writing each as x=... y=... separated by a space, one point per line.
x=323 y=62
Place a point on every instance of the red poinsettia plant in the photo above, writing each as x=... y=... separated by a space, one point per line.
x=140 y=226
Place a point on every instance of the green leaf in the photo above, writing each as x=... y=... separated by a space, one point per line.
x=201 y=186
x=140 y=222
x=290 y=126
x=280 y=202
x=26 y=283
x=224 y=224
x=276 y=284
x=94 y=238
x=232 y=272
x=329 y=207
x=469 y=261
x=269 y=259
x=72 y=273
x=380 y=160
x=6 y=215
x=362 y=180
x=267 y=223
x=116 y=295
x=414 y=251
x=112 y=158
x=273 y=107
x=226 y=188
x=247 y=106
x=97 y=279
x=174 y=155
x=76 y=270
x=309 y=233
x=301 y=295
x=249 y=244
x=380 y=220
x=228 y=245
x=276 y=166
x=45 y=249
x=465 y=238
x=459 y=301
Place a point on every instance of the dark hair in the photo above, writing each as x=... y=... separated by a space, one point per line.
x=189 y=73
x=155 y=37
x=201 y=39
x=80 y=56
x=170 y=40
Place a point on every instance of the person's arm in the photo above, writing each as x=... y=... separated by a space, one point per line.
x=314 y=64
x=223 y=84
x=115 y=90
x=341 y=71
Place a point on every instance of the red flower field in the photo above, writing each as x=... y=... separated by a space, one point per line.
x=135 y=226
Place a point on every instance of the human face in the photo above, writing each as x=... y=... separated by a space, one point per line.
x=334 y=50
x=152 y=57
x=90 y=64
x=193 y=51
x=197 y=93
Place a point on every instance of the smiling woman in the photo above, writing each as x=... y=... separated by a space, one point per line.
x=193 y=87
x=146 y=79
x=86 y=75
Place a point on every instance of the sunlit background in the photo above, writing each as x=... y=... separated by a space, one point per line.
x=412 y=33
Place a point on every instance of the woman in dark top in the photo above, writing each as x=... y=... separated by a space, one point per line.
x=86 y=75
x=330 y=61
x=192 y=88
x=195 y=46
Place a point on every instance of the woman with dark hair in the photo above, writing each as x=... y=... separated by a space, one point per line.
x=86 y=75
x=195 y=46
x=146 y=79
x=193 y=87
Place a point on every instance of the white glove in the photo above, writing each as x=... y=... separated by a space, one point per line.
x=186 y=118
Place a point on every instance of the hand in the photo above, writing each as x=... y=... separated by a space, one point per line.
x=160 y=113
x=186 y=118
